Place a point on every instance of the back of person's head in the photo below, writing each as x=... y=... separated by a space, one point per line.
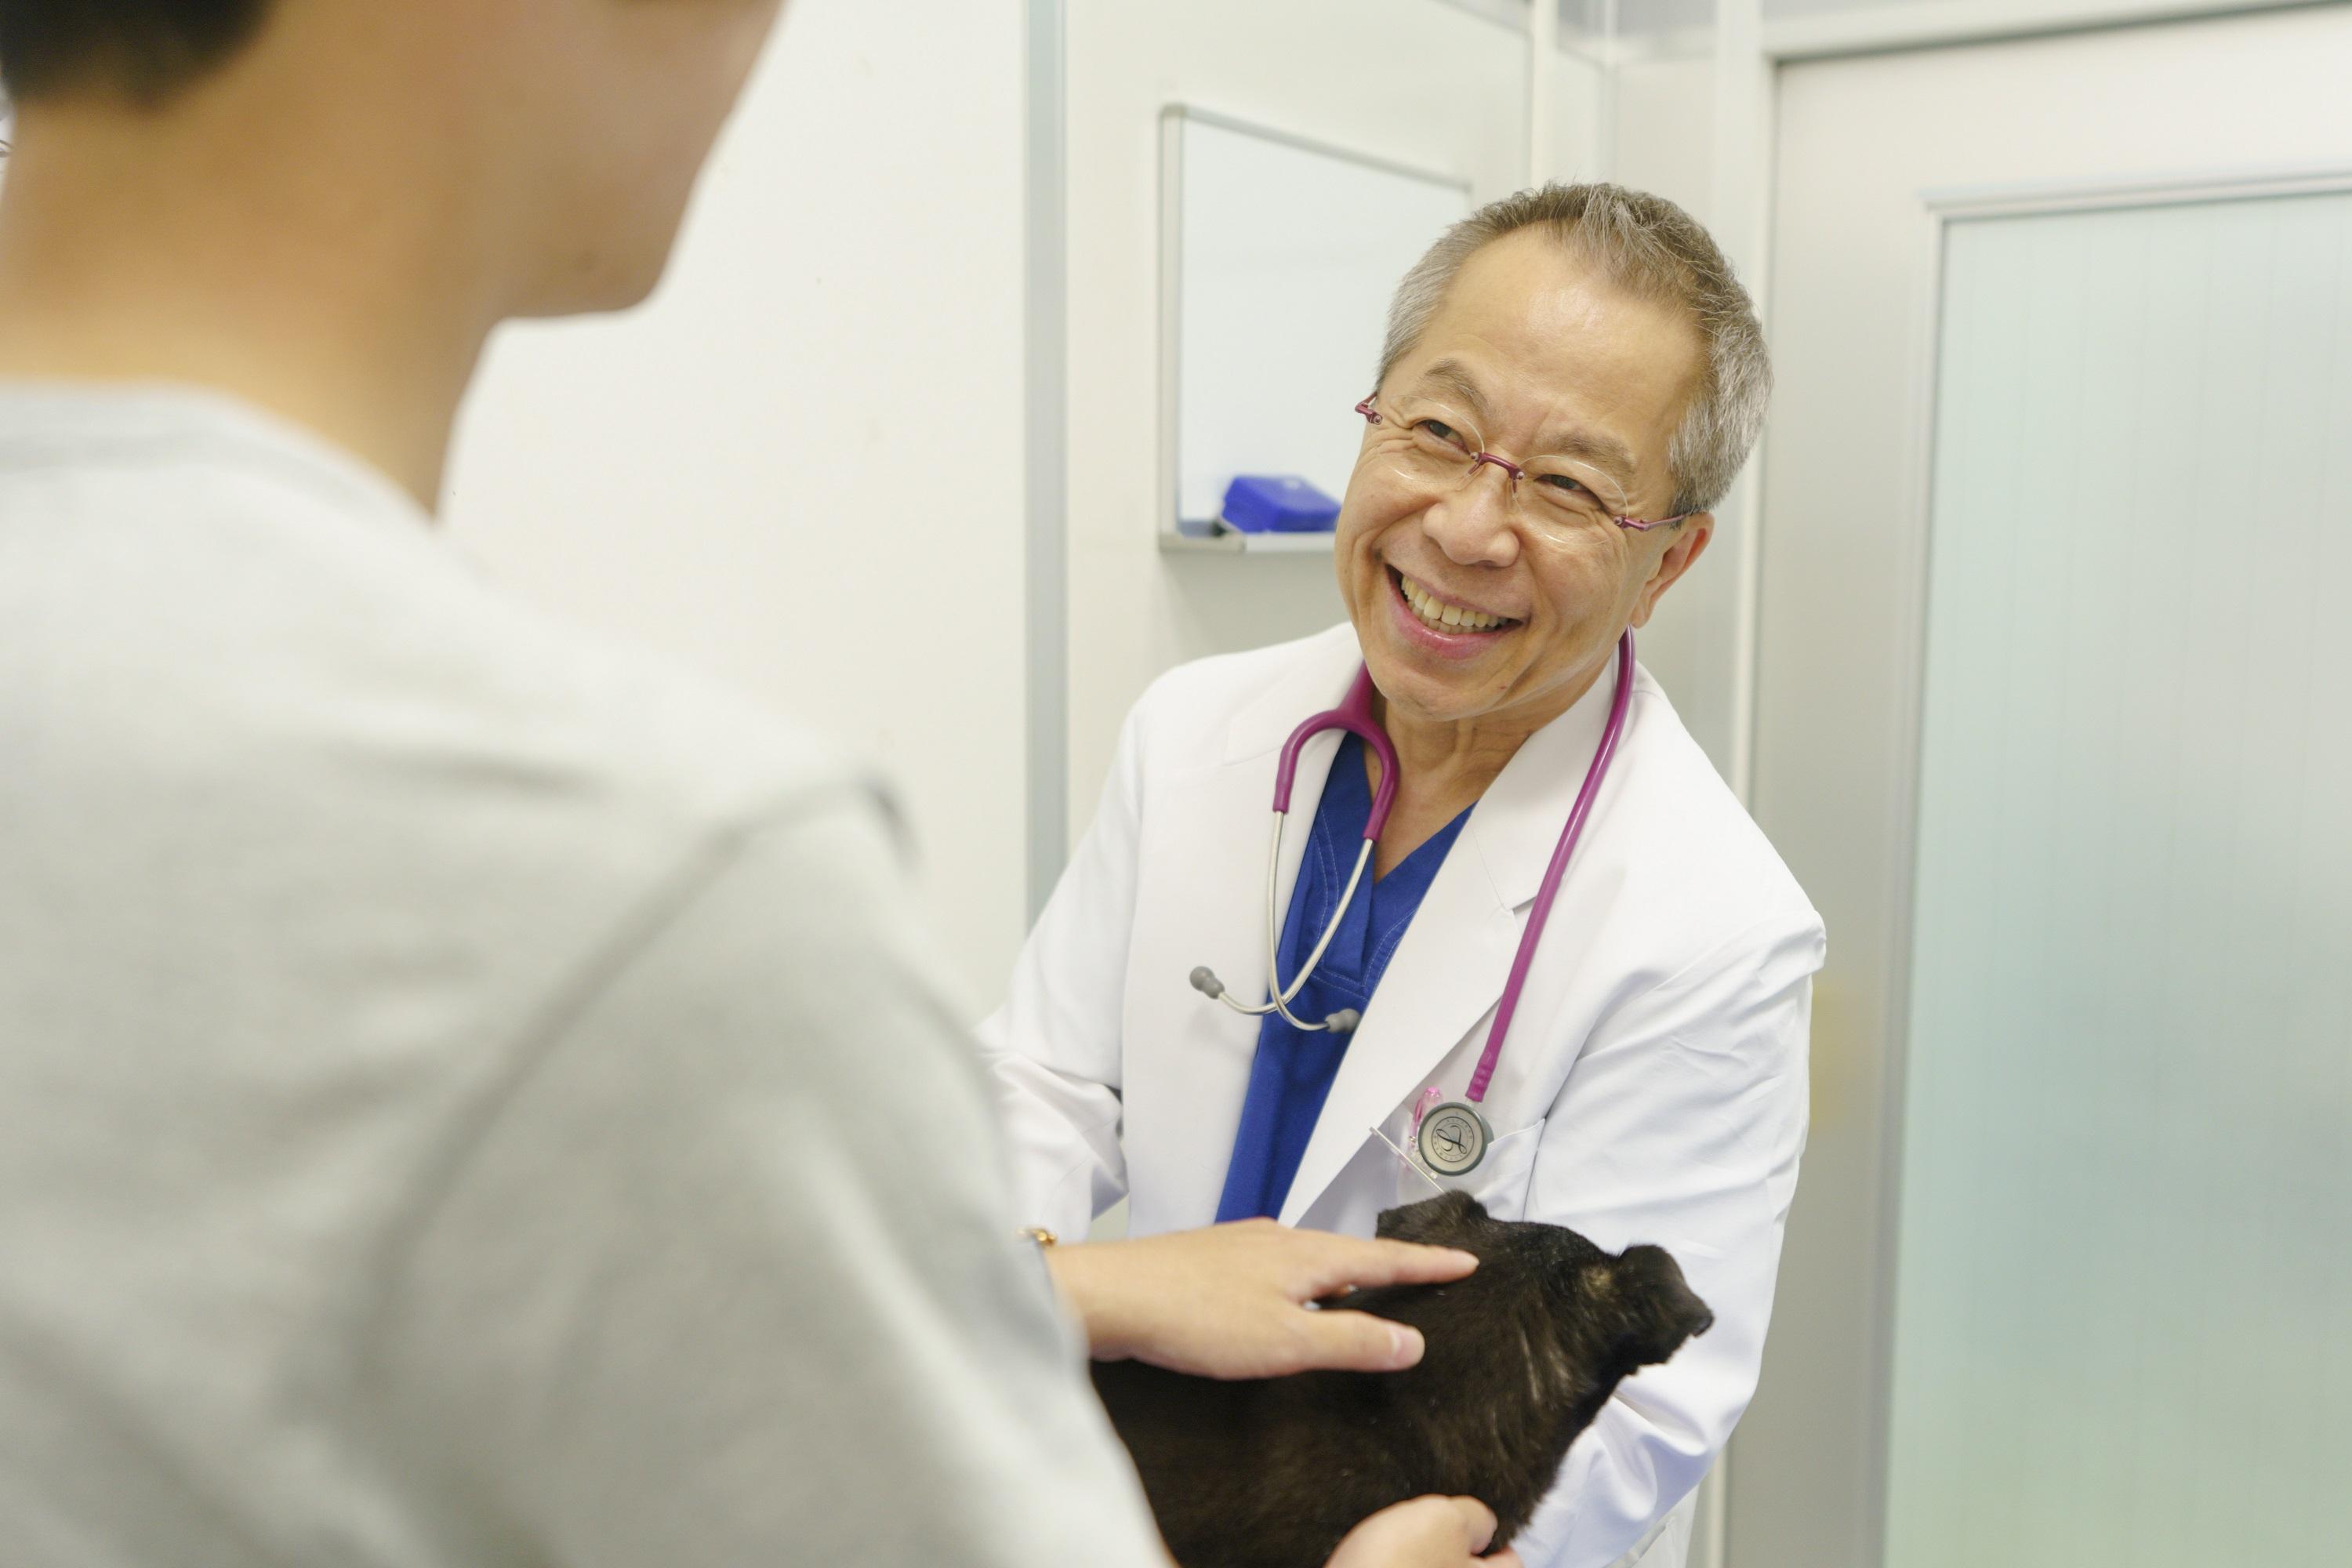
x=141 y=51
x=556 y=142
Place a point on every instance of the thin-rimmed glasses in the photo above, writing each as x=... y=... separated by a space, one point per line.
x=1437 y=449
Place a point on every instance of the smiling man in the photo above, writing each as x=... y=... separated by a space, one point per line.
x=1572 y=378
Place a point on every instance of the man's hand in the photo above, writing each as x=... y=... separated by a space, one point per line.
x=1427 y=1533
x=1233 y=1301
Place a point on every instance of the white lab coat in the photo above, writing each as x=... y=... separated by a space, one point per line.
x=1653 y=1087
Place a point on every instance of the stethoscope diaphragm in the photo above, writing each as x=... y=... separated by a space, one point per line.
x=1453 y=1137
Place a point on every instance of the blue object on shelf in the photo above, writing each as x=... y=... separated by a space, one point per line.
x=1277 y=503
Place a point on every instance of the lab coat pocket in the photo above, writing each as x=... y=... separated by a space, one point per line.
x=1499 y=1183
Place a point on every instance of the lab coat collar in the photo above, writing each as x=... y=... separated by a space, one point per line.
x=1449 y=970
x=1517 y=821
x=1314 y=681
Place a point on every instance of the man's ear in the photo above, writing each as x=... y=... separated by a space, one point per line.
x=1690 y=535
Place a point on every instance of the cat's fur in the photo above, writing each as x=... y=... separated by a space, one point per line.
x=1522 y=1356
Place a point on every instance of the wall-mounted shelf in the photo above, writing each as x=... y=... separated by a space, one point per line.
x=1228 y=541
x=1278 y=254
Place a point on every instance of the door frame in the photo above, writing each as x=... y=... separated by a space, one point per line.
x=1749 y=54
x=1914 y=520
x=1742 y=213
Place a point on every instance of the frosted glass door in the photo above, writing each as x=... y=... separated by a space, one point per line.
x=2123 y=1325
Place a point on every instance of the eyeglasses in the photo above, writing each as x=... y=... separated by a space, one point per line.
x=1435 y=447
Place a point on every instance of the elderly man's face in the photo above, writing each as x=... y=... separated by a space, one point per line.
x=1535 y=357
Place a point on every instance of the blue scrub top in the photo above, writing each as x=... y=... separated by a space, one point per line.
x=1292 y=1070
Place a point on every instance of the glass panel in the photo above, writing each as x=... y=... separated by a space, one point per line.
x=1781 y=10
x=1611 y=20
x=2126 y=1250
x=1646 y=22
x=1642 y=18
x=1583 y=20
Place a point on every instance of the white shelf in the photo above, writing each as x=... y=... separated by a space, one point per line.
x=1229 y=543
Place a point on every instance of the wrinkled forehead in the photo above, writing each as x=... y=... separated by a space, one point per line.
x=1536 y=341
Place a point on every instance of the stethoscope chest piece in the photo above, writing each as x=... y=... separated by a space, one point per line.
x=1453 y=1137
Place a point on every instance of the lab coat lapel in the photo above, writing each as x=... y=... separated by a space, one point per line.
x=1449 y=970
x=1203 y=902
x=1252 y=746
x=1517 y=825
x=1444 y=975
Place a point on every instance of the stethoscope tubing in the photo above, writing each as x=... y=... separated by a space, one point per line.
x=1274 y=987
x=1549 y=892
x=1355 y=714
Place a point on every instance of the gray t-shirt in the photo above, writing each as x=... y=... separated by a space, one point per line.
x=467 y=1095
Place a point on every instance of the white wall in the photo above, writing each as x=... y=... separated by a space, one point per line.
x=801 y=468
x=1581 y=97
x=1420 y=82
x=1661 y=139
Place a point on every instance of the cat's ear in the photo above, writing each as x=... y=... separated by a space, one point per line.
x=1661 y=1311
x=1451 y=1219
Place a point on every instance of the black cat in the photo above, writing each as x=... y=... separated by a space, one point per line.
x=1522 y=1356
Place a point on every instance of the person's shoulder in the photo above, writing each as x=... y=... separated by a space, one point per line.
x=324 y=645
x=655 y=735
x=1203 y=694
x=1693 y=843
x=646 y=759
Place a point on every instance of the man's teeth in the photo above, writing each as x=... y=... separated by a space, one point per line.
x=1443 y=616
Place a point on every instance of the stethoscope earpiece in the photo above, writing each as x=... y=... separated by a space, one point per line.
x=1205 y=980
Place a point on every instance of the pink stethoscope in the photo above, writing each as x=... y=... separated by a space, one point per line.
x=1452 y=1137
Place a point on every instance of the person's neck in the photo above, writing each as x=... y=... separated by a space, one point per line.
x=1443 y=766
x=1458 y=758
x=131 y=252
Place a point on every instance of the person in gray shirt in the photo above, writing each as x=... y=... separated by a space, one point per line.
x=413 y=1016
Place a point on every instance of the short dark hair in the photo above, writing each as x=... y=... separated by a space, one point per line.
x=144 y=49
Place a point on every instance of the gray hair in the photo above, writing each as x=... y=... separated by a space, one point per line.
x=1651 y=247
